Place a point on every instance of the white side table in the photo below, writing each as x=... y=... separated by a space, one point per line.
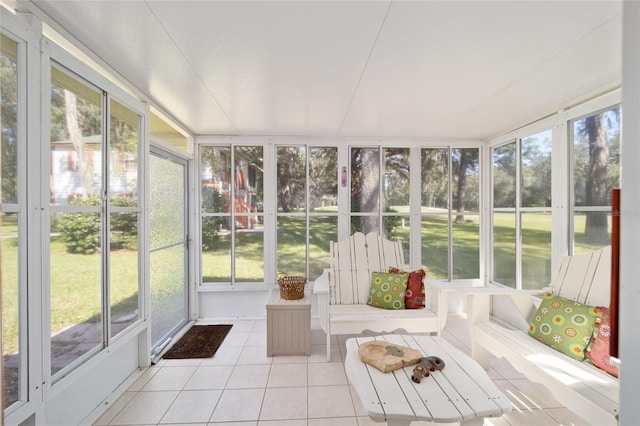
x=288 y=325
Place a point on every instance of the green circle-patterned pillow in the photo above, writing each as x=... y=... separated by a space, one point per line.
x=564 y=325
x=387 y=290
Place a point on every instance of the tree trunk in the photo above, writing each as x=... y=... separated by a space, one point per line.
x=369 y=190
x=75 y=135
x=596 y=225
x=465 y=161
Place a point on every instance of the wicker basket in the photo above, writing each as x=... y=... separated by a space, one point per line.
x=291 y=287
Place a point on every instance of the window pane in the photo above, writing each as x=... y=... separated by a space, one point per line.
x=396 y=180
x=322 y=230
x=596 y=157
x=249 y=254
x=396 y=228
x=291 y=178
x=9 y=118
x=76 y=139
x=11 y=327
x=215 y=169
x=504 y=248
x=124 y=266
x=364 y=224
x=536 y=249
x=216 y=249
x=535 y=170
x=76 y=295
x=166 y=215
x=504 y=176
x=466 y=248
x=435 y=246
x=13 y=373
x=365 y=184
x=323 y=179
x=248 y=184
x=435 y=179
x=591 y=231
x=75 y=241
x=123 y=153
x=292 y=245
x=465 y=185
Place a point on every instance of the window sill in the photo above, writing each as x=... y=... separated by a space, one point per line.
x=226 y=287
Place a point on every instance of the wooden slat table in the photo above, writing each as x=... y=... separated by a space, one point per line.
x=461 y=392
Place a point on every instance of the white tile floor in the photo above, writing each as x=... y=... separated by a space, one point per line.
x=241 y=386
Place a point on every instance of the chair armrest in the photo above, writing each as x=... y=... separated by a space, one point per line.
x=321 y=284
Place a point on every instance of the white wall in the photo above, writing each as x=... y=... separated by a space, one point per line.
x=630 y=219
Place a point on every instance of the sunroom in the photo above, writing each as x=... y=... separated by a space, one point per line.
x=164 y=161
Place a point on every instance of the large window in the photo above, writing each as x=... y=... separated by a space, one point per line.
x=232 y=213
x=596 y=171
x=521 y=211
x=94 y=219
x=380 y=192
x=450 y=208
x=307 y=212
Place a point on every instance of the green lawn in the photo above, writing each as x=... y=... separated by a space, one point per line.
x=75 y=295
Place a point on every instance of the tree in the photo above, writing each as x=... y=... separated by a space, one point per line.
x=323 y=175
x=291 y=174
x=467 y=163
x=596 y=225
x=467 y=159
x=75 y=136
x=365 y=186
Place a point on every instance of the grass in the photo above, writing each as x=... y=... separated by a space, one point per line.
x=76 y=297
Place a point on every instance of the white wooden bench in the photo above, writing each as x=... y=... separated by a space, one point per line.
x=343 y=291
x=580 y=386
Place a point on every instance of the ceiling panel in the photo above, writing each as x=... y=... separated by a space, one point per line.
x=437 y=69
x=449 y=59
x=277 y=68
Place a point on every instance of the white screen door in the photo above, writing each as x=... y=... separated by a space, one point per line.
x=168 y=247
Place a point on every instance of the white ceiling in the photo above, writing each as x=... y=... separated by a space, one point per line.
x=434 y=69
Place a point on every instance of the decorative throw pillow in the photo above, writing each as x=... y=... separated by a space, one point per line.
x=387 y=290
x=564 y=325
x=598 y=349
x=414 y=297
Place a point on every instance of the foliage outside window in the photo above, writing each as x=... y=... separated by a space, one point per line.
x=521 y=212
x=232 y=213
x=11 y=227
x=450 y=206
x=596 y=171
x=81 y=272
x=307 y=212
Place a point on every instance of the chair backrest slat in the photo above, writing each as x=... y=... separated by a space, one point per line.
x=585 y=278
x=354 y=259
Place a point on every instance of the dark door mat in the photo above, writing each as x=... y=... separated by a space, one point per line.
x=200 y=341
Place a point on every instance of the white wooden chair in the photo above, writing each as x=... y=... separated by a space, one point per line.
x=580 y=386
x=343 y=291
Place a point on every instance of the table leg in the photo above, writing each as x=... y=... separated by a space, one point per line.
x=398 y=422
x=476 y=421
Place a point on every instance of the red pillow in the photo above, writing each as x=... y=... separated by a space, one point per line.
x=414 y=297
x=598 y=349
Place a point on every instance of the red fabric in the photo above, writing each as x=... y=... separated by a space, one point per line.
x=414 y=297
x=598 y=350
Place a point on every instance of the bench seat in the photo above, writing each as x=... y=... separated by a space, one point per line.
x=579 y=385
